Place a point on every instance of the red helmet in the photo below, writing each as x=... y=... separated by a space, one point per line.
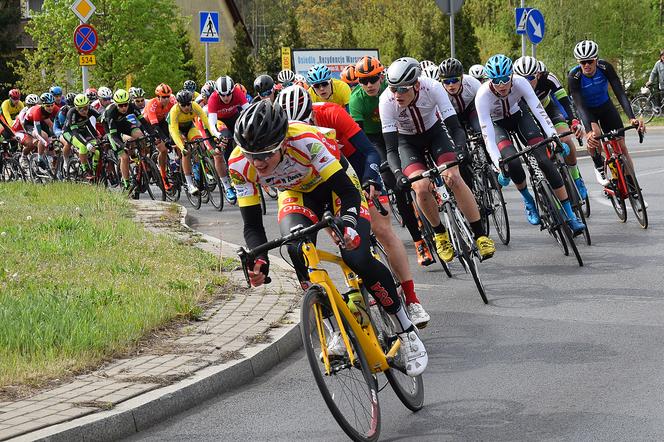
x=163 y=90
x=15 y=94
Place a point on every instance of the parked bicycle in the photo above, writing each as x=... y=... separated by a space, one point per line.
x=644 y=105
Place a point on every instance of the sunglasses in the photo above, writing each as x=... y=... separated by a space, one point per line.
x=321 y=85
x=452 y=80
x=264 y=155
x=164 y=96
x=123 y=105
x=83 y=108
x=530 y=77
x=400 y=89
x=502 y=80
x=369 y=80
x=265 y=93
x=585 y=62
x=185 y=104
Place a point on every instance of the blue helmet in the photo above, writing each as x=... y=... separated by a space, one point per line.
x=498 y=66
x=56 y=90
x=318 y=73
x=47 y=98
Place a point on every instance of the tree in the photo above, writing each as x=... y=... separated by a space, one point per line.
x=189 y=65
x=122 y=50
x=10 y=13
x=290 y=33
x=242 y=62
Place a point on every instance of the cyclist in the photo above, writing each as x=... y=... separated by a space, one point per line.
x=293 y=157
x=91 y=93
x=138 y=97
x=181 y=127
x=325 y=88
x=58 y=128
x=588 y=83
x=657 y=74
x=155 y=112
x=190 y=85
x=122 y=119
x=264 y=87
x=546 y=87
x=12 y=106
x=56 y=91
x=301 y=81
x=80 y=132
x=348 y=76
x=411 y=110
x=364 y=110
x=104 y=98
x=22 y=129
x=41 y=119
x=286 y=77
x=477 y=72
x=431 y=71
x=499 y=113
x=361 y=154
x=225 y=105
x=206 y=91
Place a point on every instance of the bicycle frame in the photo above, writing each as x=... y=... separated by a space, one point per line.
x=613 y=151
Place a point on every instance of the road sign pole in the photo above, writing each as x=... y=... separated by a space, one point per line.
x=523 y=36
x=84 y=75
x=207 y=66
x=452 y=48
x=534 y=50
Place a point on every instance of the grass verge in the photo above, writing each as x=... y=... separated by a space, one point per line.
x=80 y=281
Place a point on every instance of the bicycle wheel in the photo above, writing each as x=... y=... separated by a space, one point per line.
x=393 y=205
x=428 y=236
x=174 y=178
x=549 y=210
x=213 y=185
x=497 y=206
x=643 y=107
x=194 y=200
x=563 y=231
x=634 y=194
x=613 y=193
x=575 y=200
x=155 y=183
x=349 y=390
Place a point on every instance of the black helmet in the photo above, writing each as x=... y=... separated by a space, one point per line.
x=451 y=68
x=189 y=85
x=69 y=98
x=263 y=83
x=261 y=126
x=184 y=97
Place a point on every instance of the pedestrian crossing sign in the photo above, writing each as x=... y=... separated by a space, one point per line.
x=209 y=26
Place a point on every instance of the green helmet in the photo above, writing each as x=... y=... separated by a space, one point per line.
x=121 y=96
x=81 y=100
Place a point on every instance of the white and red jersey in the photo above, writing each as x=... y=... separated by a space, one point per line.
x=430 y=105
x=20 y=119
x=492 y=107
x=465 y=96
x=227 y=111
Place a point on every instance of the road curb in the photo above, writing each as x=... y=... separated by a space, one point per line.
x=143 y=411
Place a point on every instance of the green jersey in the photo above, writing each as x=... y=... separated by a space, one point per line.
x=364 y=109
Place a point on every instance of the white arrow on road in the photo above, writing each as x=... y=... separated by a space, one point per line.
x=538 y=29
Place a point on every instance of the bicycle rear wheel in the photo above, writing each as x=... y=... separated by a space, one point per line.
x=563 y=233
x=634 y=194
x=393 y=205
x=575 y=200
x=213 y=185
x=643 y=107
x=614 y=194
x=497 y=207
x=349 y=390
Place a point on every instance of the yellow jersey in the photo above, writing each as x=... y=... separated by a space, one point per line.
x=340 y=93
x=181 y=122
x=10 y=111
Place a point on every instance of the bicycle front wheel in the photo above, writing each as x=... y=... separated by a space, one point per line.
x=643 y=107
x=154 y=180
x=497 y=206
x=213 y=185
x=349 y=390
x=634 y=194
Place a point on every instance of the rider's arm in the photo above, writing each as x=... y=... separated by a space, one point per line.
x=390 y=135
x=349 y=196
x=561 y=95
x=8 y=133
x=449 y=115
x=574 y=87
x=522 y=87
x=198 y=110
x=359 y=140
x=113 y=136
x=254 y=231
x=36 y=118
x=482 y=104
x=214 y=103
x=618 y=90
x=150 y=111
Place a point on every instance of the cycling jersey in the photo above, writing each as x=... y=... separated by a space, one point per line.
x=493 y=107
x=10 y=111
x=20 y=120
x=182 y=122
x=227 y=111
x=116 y=123
x=59 y=122
x=76 y=122
x=464 y=99
x=340 y=93
x=364 y=109
x=547 y=86
x=155 y=112
x=593 y=92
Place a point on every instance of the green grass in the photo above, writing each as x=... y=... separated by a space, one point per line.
x=80 y=281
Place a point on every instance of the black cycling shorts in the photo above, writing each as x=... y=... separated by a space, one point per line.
x=413 y=148
x=606 y=115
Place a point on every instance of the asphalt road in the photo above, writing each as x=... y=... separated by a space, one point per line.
x=560 y=353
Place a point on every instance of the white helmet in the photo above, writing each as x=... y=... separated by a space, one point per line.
x=432 y=72
x=525 y=66
x=225 y=85
x=105 y=93
x=32 y=99
x=296 y=102
x=286 y=76
x=477 y=71
x=299 y=78
x=426 y=63
x=541 y=67
x=586 y=50
x=403 y=72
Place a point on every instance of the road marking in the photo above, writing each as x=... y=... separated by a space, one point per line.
x=652 y=172
x=634 y=152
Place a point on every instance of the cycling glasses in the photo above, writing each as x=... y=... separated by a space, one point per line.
x=400 y=89
x=501 y=80
x=265 y=93
x=83 y=108
x=263 y=155
x=530 y=77
x=139 y=100
x=585 y=62
x=123 y=105
x=452 y=80
x=164 y=96
x=321 y=85
x=369 y=80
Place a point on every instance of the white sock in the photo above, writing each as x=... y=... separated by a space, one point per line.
x=190 y=181
x=401 y=321
x=226 y=182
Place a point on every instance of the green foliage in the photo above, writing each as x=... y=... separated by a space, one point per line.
x=124 y=27
x=189 y=66
x=9 y=17
x=242 y=61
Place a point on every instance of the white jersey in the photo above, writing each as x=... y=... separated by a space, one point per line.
x=465 y=97
x=430 y=105
x=491 y=107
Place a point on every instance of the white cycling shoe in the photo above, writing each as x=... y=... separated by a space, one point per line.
x=418 y=315
x=414 y=353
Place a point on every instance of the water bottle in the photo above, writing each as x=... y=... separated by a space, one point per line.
x=173 y=164
x=358 y=307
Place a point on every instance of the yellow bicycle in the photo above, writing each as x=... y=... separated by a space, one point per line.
x=347 y=379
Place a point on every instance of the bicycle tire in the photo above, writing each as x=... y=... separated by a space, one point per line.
x=213 y=185
x=498 y=209
x=428 y=236
x=174 y=178
x=617 y=200
x=643 y=107
x=154 y=178
x=563 y=229
x=314 y=296
x=194 y=200
x=575 y=200
x=549 y=214
x=586 y=206
x=635 y=195
x=391 y=198
x=110 y=172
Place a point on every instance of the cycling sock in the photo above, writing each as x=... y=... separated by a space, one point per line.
x=527 y=197
x=477 y=228
x=409 y=290
x=401 y=321
x=598 y=160
x=440 y=228
x=567 y=207
x=125 y=183
x=226 y=182
x=574 y=171
x=189 y=181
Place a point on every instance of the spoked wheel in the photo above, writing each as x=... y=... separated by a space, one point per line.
x=635 y=196
x=174 y=179
x=497 y=207
x=549 y=210
x=395 y=210
x=643 y=107
x=581 y=215
x=575 y=200
x=194 y=200
x=409 y=390
x=613 y=192
x=586 y=207
x=155 y=185
x=428 y=236
x=213 y=185
x=349 y=389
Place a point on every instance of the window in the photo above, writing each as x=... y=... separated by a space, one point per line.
x=33 y=6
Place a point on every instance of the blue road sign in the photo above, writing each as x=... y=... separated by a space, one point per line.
x=535 y=26
x=520 y=15
x=209 y=26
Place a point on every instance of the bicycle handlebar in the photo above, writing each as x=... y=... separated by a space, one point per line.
x=612 y=135
x=528 y=149
x=434 y=171
x=376 y=202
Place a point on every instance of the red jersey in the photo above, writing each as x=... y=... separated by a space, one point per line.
x=230 y=110
x=154 y=112
x=335 y=117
